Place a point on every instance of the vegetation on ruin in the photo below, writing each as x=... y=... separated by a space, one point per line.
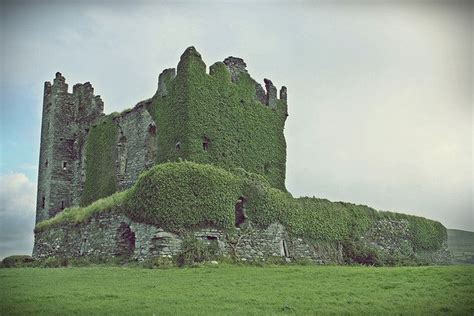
x=76 y=215
x=230 y=289
x=100 y=159
x=240 y=131
x=182 y=196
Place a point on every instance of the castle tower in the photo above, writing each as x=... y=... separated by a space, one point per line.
x=223 y=117
x=64 y=121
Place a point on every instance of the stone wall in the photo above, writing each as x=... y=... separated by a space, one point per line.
x=107 y=235
x=111 y=234
x=392 y=237
x=67 y=119
x=136 y=144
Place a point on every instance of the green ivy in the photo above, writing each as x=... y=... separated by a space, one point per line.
x=100 y=161
x=242 y=132
x=180 y=196
x=183 y=196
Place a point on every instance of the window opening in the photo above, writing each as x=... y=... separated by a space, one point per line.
x=205 y=143
x=239 y=212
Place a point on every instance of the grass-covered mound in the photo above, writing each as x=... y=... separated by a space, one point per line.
x=185 y=195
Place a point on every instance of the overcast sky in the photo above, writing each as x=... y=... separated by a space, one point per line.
x=380 y=93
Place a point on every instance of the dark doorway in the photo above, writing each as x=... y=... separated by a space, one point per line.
x=125 y=241
x=240 y=212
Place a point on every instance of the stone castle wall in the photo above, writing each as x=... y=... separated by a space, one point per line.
x=111 y=234
x=69 y=117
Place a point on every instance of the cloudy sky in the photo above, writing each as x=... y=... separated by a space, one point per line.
x=380 y=93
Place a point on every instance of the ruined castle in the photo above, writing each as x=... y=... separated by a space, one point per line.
x=68 y=118
x=222 y=120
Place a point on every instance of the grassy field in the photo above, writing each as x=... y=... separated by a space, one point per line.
x=226 y=289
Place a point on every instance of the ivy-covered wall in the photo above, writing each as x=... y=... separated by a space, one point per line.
x=101 y=154
x=207 y=118
x=184 y=196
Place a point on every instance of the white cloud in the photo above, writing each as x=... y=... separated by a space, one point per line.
x=17 y=214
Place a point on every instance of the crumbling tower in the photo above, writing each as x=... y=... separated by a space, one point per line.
x=65 y=122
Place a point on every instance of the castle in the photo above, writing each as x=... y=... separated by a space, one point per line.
x=222 y=122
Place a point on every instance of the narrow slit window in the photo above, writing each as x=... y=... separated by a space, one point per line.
x=62 y=205
x=46 y=163
x=43 y=202
x=178 y=146
x=240 y=212
x=285 y=249
x=205 y=143
x=64 y=165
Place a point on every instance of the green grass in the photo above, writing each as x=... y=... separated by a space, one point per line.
x=238 y=290
x=75 y=215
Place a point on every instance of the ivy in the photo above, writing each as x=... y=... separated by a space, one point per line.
x=241 y=131
x=184 y=195
x=100 y=161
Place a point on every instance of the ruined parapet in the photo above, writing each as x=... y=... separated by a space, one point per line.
x=59 y=84
x=271 y=96
x=236 y=66
x=163 y=81
x=260 y=93
x=88 y=106
x=283 y=94
x=190 y=55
